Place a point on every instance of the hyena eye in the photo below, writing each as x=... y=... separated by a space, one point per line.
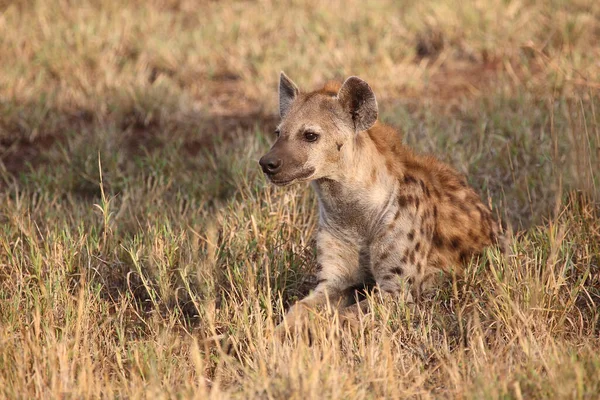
x=310 y=136
x=277 y=132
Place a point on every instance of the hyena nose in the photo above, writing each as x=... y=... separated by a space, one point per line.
x=270 y=165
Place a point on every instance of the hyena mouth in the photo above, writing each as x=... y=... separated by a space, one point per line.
x=304 y=175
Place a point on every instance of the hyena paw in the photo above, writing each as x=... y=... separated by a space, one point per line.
x=292 y=323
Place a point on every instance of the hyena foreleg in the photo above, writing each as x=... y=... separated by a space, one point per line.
x=339 y=270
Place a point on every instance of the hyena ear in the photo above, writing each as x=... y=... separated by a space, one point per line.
x=357 y=98
x=288 y=91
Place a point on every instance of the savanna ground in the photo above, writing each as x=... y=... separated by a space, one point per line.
x=138 y=234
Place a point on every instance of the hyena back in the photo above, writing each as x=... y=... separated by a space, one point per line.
x=387 y=216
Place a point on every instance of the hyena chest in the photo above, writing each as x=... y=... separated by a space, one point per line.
x=360 y=214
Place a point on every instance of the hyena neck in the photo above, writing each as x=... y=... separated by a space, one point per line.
x=359 y=195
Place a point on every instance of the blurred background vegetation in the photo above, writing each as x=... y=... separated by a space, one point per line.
x=137 y=232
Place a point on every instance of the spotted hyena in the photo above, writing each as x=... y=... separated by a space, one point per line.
x=388 y=217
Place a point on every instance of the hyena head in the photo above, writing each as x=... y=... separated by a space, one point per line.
x=315 y=127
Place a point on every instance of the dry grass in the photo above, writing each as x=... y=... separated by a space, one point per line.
x=137 y=233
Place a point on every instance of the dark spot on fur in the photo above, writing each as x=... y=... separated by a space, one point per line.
x=411 y=280
x=409 y=179
x=402 y=201
x=435 y=213
x=411 y=235
x=384 y=255
x=437 y=240
x=420 y=267
x=425 y=188
x=381 y=233
x=473 y=236
x=417 y=246
x=451 y=186
x=389 y=277
x=339 y=146
x=391 y=225
x=397 y=271
x=404 y=259
x=463 y=206
x=397 y=214
x=464 y=257
x=412 y=257
x=455 y=243
x=417 y=202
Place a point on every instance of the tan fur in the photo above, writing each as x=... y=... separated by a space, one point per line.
x=387 y=216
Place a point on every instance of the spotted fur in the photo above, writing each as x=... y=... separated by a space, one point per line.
x=387 y=216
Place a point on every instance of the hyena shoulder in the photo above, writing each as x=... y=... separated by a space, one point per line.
x=451 y=216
